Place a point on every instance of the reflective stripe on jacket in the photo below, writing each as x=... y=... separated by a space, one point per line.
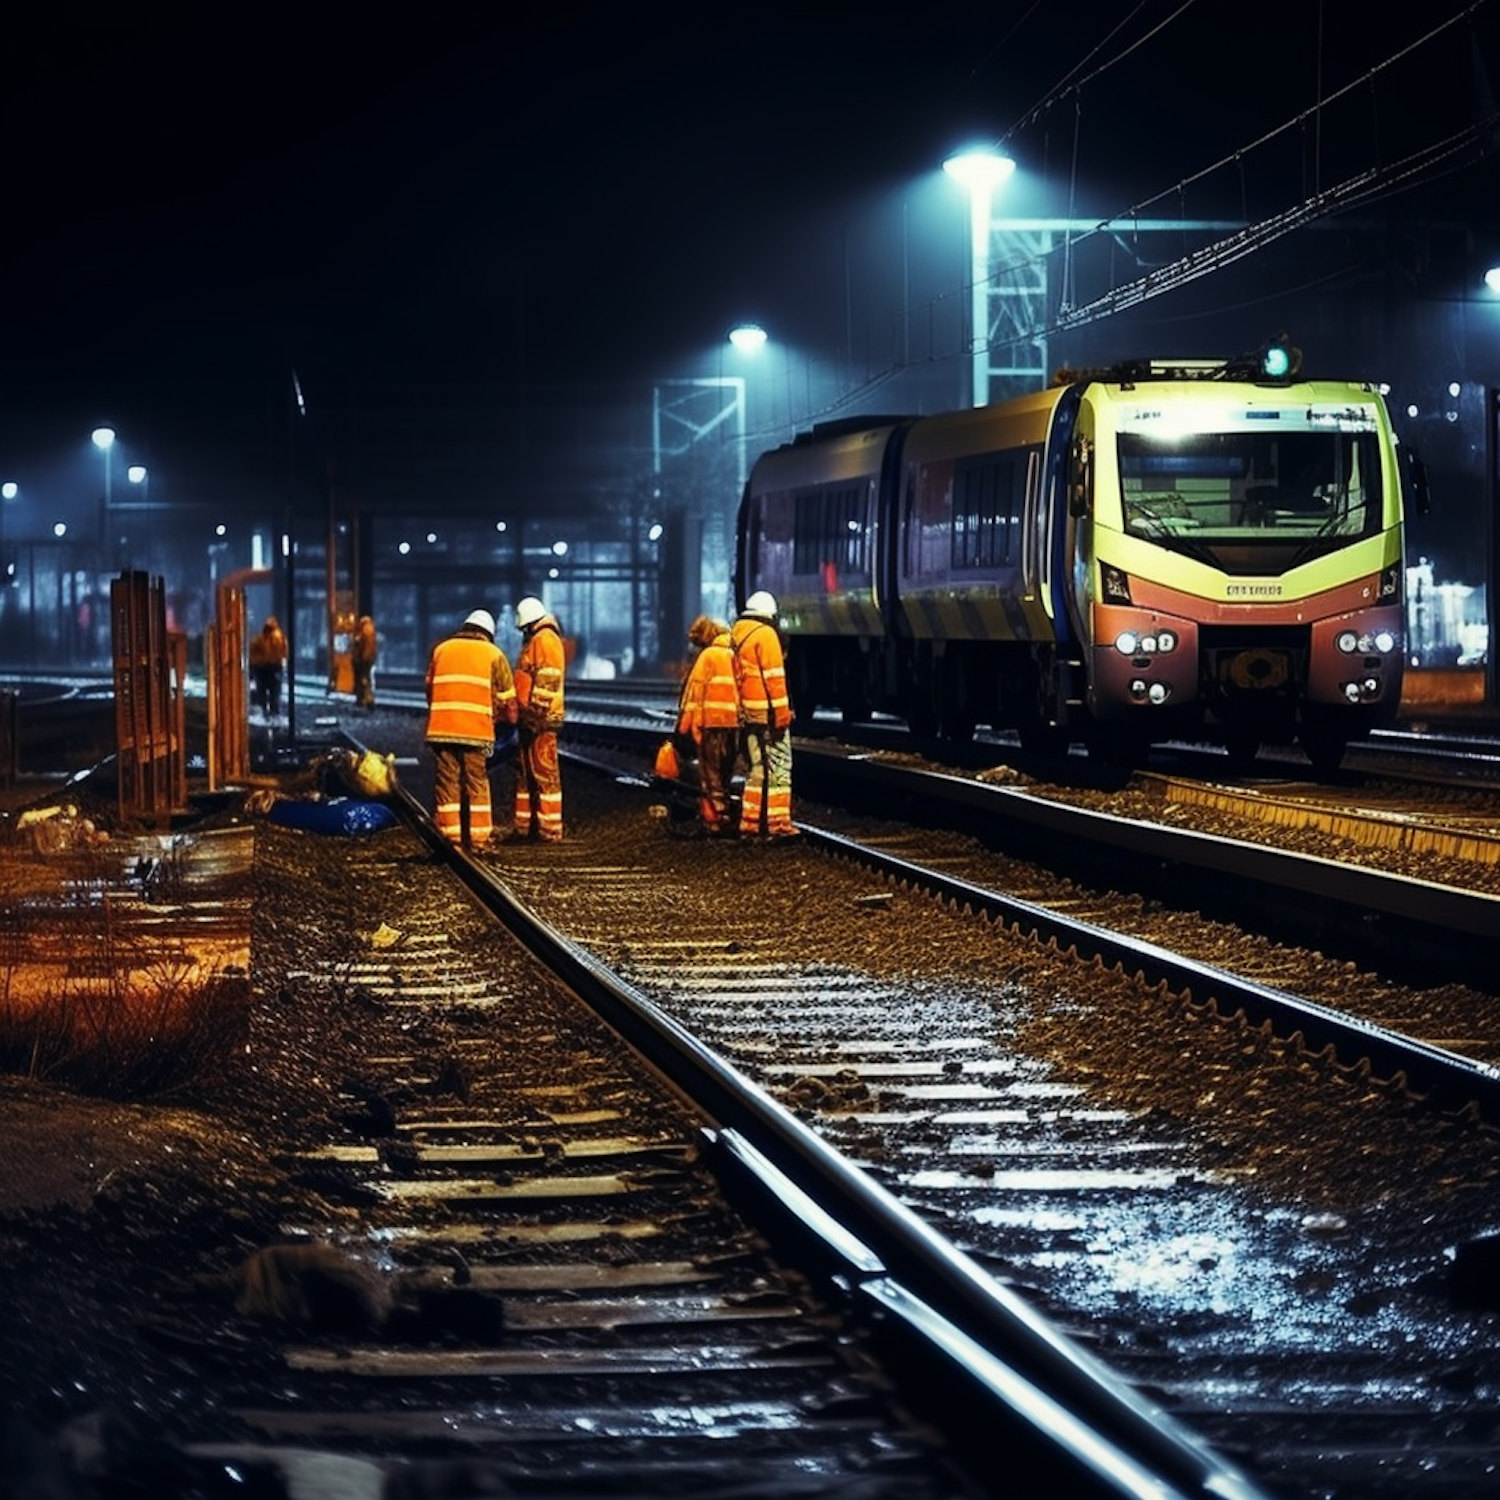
x=760 y=674
x=469 y=690
x=540 y=669
x=710 y=699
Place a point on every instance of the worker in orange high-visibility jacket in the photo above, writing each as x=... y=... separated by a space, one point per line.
x=540 y=670
x=268 y=653
x=765 y=718
x=709 y=711
x=364 y=646
x=470 y=689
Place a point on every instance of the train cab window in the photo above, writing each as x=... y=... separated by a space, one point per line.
x=1305 y=491
x=989 y=496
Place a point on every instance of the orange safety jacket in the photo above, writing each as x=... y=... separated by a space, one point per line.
x=469 y=690
x=710 y=699
x=760 y=674
x=540 y=670
x=268 y=648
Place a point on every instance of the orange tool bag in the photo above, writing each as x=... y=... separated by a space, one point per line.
x=667 y=766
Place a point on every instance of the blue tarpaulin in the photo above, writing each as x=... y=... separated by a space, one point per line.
x=342 y=815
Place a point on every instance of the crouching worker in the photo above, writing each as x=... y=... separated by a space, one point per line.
x=470 y=690
x=710 y=713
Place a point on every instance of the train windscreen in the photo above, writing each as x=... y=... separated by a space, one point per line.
x=1232 y=483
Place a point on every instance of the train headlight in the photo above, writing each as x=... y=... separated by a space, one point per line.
x=1157 y=692
x=1147 y=643
x=1351 y=691
x=1372 y=642
x=1371 y=686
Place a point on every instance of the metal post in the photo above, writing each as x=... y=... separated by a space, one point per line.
x=1492 y=572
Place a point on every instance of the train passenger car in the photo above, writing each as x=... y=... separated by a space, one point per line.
x=1127 y=557
x=814 y=527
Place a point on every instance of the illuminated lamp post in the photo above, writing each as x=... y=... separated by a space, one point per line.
x=141 y=479
x=104 y=439
x=980 y=172
x=749 y=339
x=8 y=492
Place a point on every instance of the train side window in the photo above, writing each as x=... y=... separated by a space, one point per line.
x=989 y=496
x=1081 y=478
x=829 y=532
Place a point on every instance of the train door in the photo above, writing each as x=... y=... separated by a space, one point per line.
x=1050 y=533
x=1079 y=521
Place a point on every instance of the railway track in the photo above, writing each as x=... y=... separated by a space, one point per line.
x=1164 y=1236
x=1232 y=1253
x=525 y=1261
x=616 y=1316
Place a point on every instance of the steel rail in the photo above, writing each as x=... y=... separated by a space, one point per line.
x=1100 y=1432
x=1445 y=1079
x=1413 y=925
x=1447 y=909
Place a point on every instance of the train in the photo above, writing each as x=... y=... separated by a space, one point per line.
x=1159 y=549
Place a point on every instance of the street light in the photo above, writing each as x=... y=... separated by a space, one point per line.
x=980 y=171
x=104 y=440
x=8 y=491
x=747 y=337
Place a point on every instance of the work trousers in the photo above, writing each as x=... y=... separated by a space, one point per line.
x=767 y=805
x=538 y=787
x=266 y=696
x=461 y=794
x=718 y=750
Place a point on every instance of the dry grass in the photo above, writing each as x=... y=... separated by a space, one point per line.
x=110 y=1012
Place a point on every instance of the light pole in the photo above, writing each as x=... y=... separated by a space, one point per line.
x=748 y=339
x=104 y=440
x=980 y=171
x=139 y=476
x=8 y=492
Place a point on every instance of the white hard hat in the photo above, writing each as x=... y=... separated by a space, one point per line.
x=484 y=620
x=529 y=611
x=762 y=604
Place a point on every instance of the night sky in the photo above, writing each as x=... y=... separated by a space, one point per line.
x=536 y=216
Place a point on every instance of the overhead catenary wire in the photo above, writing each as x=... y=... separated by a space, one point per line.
x=1424 y=163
